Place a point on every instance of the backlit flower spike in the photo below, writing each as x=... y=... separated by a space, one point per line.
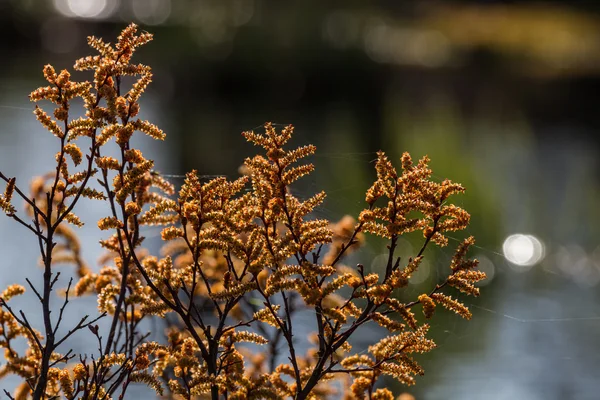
x=313 y=233
x=448 y=188
x=258 y=139
x=399 y=278
x=123 y=134
x=133 y=156
x=50 y=93
x=406 y=160
x=61 y=113
x=293 y=156
x=357 y=360
x=453 y=218
x=386 y=179
x=139 y=86
x=107 y=133
x=399 y=372
x=87 y=63
x=232 y=188
x=125 y=43
x=106 y=50
x=336 y=284
x=384 y=168
x=285 y=135
x=271 y=140
x=382 y=394
x=12 y=291
x=9 y=190
x=50 y=74
x=470 y=275
x=458 y=260
x=293 y=174
x=191 y=187
x=103 y=76
x=263 y=175
x=421 y=171
x=74 y=152
x=171 y=233
x=404 y=342
x=73 y=90
x=435 y=236
x=149 y=379
x=109 y=223
x=464 y=285
x=156 y=214
x=66 y=384
x=245 y=336
x=277 y=140
x=131 y=180
x=142 y=39
x=416 y=179
x=128 y=37
x=81 y=127
x=73 y=220
x=63 y=79
x=388 y=323
x=48 y=122
x=404 y=312
x=5 y=199
x=428 y=305
x=452 y=305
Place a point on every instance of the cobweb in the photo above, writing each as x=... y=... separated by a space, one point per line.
x=534 y=326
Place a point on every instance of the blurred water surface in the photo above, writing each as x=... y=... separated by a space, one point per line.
x=502 y=97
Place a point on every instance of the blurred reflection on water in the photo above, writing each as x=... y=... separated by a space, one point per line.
x=502 y=99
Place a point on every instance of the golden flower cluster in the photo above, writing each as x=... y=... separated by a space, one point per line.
x=241 y=258
x=412 y=191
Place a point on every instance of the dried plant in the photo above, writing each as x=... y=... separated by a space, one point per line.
x=241 y=259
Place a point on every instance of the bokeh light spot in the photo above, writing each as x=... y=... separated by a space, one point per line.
x=523 y=250
x=151 y=12
x=93 y=9
x=87 y=8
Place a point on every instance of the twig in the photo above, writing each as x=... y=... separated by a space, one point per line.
x=34 y=289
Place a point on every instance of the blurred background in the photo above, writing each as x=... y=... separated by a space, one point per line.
x=502 y=95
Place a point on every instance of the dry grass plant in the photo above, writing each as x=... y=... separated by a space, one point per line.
x=237 y=266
